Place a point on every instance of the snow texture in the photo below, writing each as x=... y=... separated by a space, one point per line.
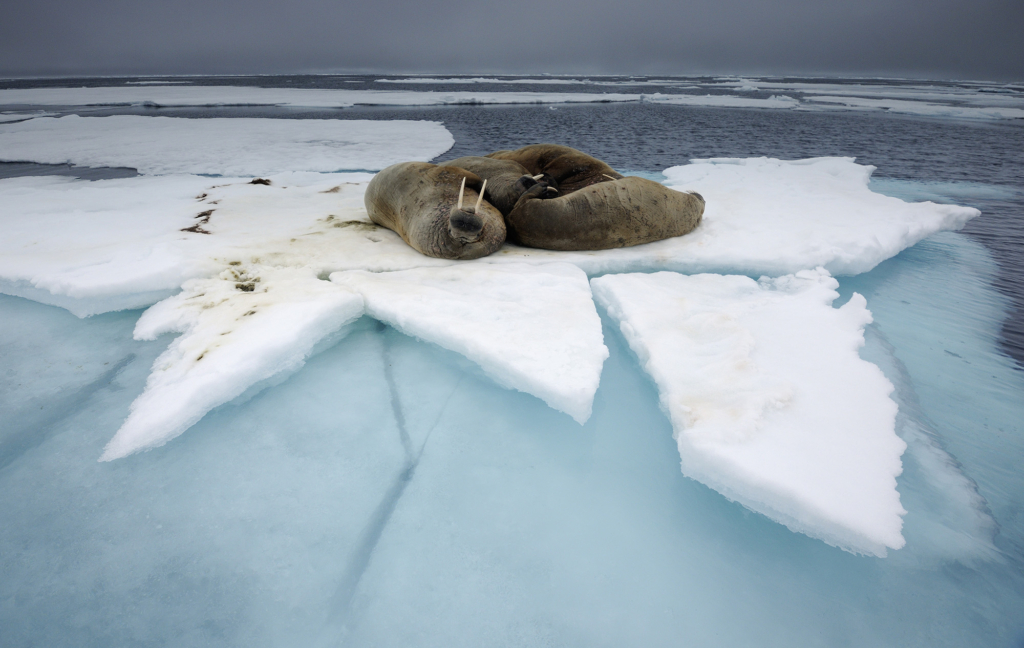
x=241 y=329
x=531 y=328
x=125 y=247
x=769 y=401
x=218 y=146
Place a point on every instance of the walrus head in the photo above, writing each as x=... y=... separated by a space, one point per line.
x=464 y=224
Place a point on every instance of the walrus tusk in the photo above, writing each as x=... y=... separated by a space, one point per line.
x=480 y=198
x=608 y=176
x=538 y=176
x=462 y=189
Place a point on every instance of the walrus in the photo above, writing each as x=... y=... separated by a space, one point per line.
x=507 y=180
x=611 y=214
x=581 y=203
x=562 y=167
x=431 y=208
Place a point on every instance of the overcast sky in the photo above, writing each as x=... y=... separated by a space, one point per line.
x=966 y=39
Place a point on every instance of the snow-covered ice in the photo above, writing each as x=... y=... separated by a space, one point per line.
x=923 y=108
x=531 y=328
x=725 y=101
x=967 y=102
x=219 y=146
x=295 y=97
x=770 y=403
x=241 y=329
x=125 y=249
x=6 y=117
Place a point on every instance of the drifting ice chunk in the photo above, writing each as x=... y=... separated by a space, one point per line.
x=163 y=145
x=531 y=328
x=925 y=108
x=297 y=97
x=726 y=101
x=769 y=401
x=241 y=329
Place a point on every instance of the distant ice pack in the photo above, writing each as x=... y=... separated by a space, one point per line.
x=976 y=101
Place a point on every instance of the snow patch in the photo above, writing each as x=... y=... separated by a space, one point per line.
x=770 y=403
x=242 y=328
x=531 y=328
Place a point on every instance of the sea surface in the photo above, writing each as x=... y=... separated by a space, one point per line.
x=287 y=521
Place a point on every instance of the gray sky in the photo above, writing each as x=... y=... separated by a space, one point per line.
x=967 y=39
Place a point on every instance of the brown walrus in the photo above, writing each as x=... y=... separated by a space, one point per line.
x=590 y=206
x=507 y=180
x=432 y=208
x=564 y=168
x=605 y=215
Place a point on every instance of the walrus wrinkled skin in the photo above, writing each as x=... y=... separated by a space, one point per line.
x=590 y=206
x=419 y=201
x=563 y=168
x=507 y=180
x=612 y=214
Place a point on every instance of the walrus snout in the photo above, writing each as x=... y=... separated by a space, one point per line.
x=699 y=197
x=465 y=225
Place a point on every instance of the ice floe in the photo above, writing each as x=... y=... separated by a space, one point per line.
x=725 y=101
x=770 y=403
x=125 y=246
x=7 y=117
x=164 y=95
x=218 y=146
x=241 y=329
x=967 y=102
x=923 y=108
x=531 y=328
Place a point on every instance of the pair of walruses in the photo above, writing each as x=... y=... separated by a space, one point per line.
x=543 y=196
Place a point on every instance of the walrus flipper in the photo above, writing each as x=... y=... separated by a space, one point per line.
x=439 y=211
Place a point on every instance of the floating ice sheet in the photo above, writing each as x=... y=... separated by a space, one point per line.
x=242 y=329
x=531 y=328
x=727 y=101
x=924 y=108
x=967 y=102
x=97 y=246
x=297 y=97
x=217 y=146
x=769 y=401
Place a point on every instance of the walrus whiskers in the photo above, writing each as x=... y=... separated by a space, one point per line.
x=480 y=198
x=461 y=190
